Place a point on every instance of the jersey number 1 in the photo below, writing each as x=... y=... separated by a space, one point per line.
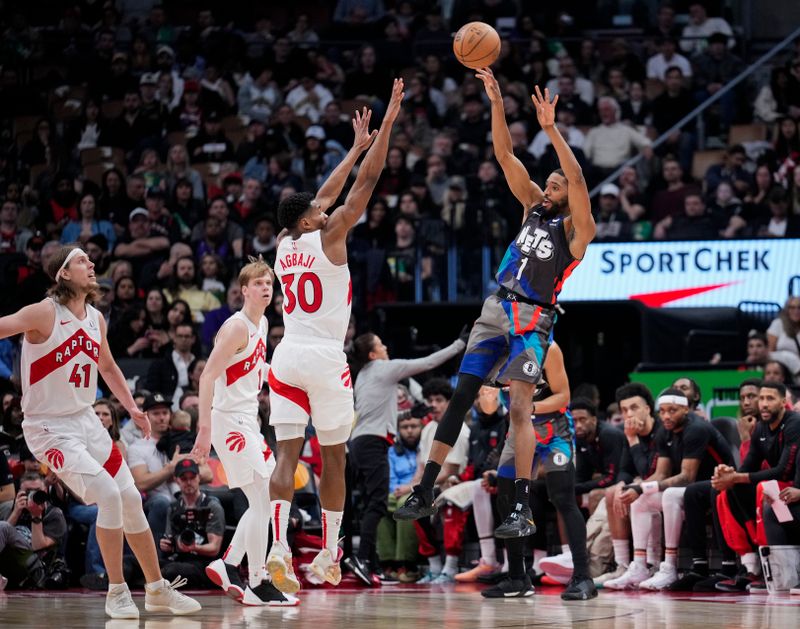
x=301 y=298
x=76 y=379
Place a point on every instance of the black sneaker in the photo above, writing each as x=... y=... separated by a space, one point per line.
x=386 y=579
x=687 y=581
x=739 y=583
x=579 y=589
x=97 y=582
x=709 y=583
x=518 y=523
x=267 y=594
x=360 y=569
x=227 y=577
x=419 y=505
x=493 y=578
x=510 y=588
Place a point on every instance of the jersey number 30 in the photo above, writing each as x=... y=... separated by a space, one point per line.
x=300 y=294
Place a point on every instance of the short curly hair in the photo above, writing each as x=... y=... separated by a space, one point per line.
x=293 y=207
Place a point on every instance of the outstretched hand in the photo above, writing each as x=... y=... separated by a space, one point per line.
x=545 y=109
x=490 y=84
x=141 y=420
x=395 y=101
x=363 y=136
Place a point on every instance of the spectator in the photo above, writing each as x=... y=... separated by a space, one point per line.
x=368 y=81
x=731 y=170
x=787 y=143
x=142 y=245
x=616 y=85
x=215 y=318
x=232 y=233
x=669 y=108
x=210 y=144
x=31 y=279
x=35 y=529
x=152 y=470
x=113 y=203
x=781 y=224
x=90 y=130
x=358 y=12
x=309 y=99
x=188 y=115
x=713 y=69
x=153 y=110
x=665 y=26
x=264 y=241
x=127 y=336
x=700 y=28
x=13 y=238
x=772 y=101
x=667 y=58
x=757 y=349
x=613 y=224
x=778 y=532
x=302 y=35
x=8 y=495
x=397 y=540
x=583 y=87
x=636 y=109
x=195 y=528
x=783 y=334
x=376 y=408
x=62 y=207
x=611 y=143
x=696 y=223
x=171 y=373
x=793 y=89
x=728 y=210
x=395 y=177
x=178 y=167
x=569 y=98
x=671 y=200
x=43 y=148
x=130 y=131
x=216 y=93
x=88 y=224
x=183 y=285
x=107 y=414
x=631 y=199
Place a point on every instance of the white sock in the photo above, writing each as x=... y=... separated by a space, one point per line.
x=435 y=564
x=640 y=558
x=622 y=552
x=235 y=553
x=671 y=557
x=155 y=585
x=488 y=552
x=751 y=562
x=565 y=550
x=450 y=565
x=117 y=588
x=653 y=555
x=280 y=523
x=331 y=523
x=256 y=536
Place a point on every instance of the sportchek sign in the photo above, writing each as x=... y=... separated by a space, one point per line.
x=680 y=274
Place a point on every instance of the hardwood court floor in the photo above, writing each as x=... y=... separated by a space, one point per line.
x=442 y=607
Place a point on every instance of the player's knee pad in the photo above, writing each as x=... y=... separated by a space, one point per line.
x=335 y=436
x=133 y=518
x=287 y=432
x=561 y=489
x=102 y=490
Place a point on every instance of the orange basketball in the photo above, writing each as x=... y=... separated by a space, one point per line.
x=476 y=45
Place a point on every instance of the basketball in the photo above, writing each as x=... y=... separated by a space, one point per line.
x=476 y=45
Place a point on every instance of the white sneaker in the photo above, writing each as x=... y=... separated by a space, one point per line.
x=325 y=568
x=610 y=576
x=667 y=575
x=119 y=604
x=226 y=577
x=795 y=591
x=166 y=598
x=630 y=580
x=281 y=571
x=558 y=565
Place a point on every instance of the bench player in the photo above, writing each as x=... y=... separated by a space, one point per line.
x=510 y=339
x=63 y=349
x=309 y=375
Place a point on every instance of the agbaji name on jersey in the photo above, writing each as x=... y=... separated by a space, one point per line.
x=302 y=260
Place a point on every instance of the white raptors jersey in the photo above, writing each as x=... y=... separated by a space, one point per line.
x=317 y=293
x=236 y=390
x=59 y=376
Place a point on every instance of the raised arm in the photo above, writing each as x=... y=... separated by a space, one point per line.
x=332 y=188
x=37 y=318
x=347 y=215
x=579 y=225
x=525 y=190
x=231 y=339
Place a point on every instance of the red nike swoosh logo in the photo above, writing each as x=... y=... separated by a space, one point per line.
x=252 y=335
x=66 y=322
x=658 y=299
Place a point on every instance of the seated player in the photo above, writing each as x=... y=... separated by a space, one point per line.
x=689 y=449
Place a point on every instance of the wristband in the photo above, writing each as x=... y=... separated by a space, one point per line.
x=36 y=520
x=636 y=488
x=650 y=487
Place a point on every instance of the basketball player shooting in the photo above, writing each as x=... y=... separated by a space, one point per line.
x=509 y=341
x=64 y=348
x=309 y=375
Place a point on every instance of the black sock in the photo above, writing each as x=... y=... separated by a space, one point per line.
x=432 y=469
x=522 y=488
x=700 y=566
x=516 y=558
x=728 y=568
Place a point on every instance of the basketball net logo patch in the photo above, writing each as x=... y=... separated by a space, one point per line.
x=235 y=441
x=560 y=458
x=531 y=369
x=55 y=458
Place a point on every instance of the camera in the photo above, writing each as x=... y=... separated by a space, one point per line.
x=190 y=526
x=37 y=496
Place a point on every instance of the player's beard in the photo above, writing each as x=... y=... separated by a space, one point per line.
x=556 y=209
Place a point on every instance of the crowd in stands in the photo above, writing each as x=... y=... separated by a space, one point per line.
x=162 y=138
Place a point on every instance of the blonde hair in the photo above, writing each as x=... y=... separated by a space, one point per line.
x=255 y=267
x=790 y=327
x=64 y=290
x=181 y=420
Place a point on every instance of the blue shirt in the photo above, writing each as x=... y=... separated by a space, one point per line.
x=401 y=467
